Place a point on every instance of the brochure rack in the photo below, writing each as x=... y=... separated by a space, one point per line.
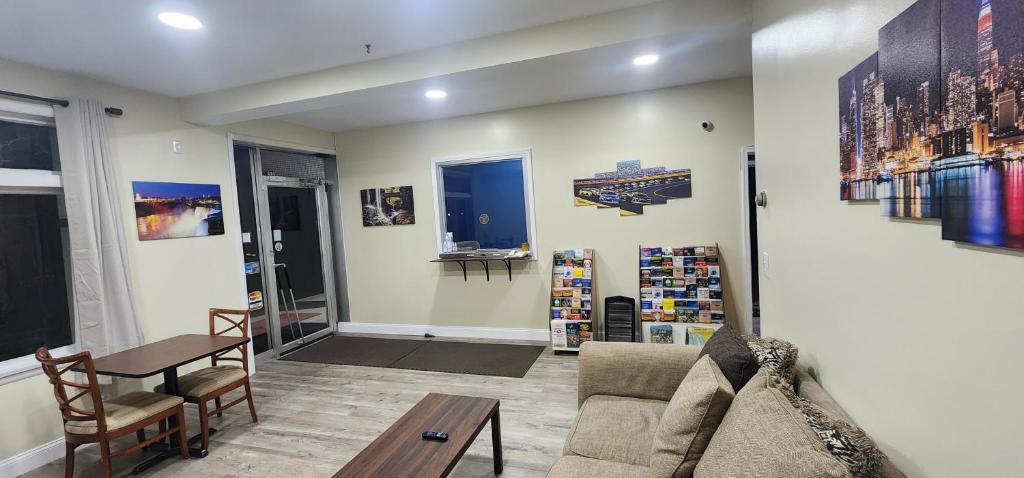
x=572 y=304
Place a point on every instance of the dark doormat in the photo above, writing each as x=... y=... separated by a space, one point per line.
x=364 y=351
x=500 y=360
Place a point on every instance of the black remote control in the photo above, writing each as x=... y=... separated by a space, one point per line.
x=436 y=436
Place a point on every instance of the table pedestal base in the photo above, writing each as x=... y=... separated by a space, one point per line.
x=167 y=450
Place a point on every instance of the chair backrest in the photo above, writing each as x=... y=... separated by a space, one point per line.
x=236 y=320
x=55 y=368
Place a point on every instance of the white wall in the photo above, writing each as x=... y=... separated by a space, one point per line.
x=176 y=281
x=390 y=278
x=916 y=337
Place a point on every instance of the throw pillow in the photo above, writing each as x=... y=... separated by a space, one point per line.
x=690 y=420
x=763 y=435
x=847 y=443
x=730 y=352
x=778 y=356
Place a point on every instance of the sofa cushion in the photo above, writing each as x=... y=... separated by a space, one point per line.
x=733 y=356
x=619 y=429
x=689 y=421
x=583 y=467
x=763 y=435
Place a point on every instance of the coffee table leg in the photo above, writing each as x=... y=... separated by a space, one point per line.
x=496 y=441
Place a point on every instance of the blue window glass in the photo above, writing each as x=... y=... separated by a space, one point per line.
x=485 y=202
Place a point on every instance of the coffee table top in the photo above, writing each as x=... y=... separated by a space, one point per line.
x=401 y=450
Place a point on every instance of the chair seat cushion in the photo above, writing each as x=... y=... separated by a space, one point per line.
x=125 y=410
x=618 y=429
x=582 y=467
x=202 y=382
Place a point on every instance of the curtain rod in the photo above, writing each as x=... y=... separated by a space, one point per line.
x=115 y=112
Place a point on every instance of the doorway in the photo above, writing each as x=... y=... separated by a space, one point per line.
x=287 y=247
x=750 y=237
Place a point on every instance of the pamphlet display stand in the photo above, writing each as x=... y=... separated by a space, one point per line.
x=681 y=294
x=572 y=305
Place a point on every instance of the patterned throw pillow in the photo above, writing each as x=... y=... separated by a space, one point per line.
x=778 y=357
x=847 y=443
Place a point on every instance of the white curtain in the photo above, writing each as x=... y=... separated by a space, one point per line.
x=99 y=254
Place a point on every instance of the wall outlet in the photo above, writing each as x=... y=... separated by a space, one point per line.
x=765 y=263
x=177 y=147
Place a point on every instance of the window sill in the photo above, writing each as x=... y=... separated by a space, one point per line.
x=20 y=368
x=15 y=375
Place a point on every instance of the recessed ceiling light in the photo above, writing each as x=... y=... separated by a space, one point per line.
x=180 y=20
x=644 y=60
x=435 y=94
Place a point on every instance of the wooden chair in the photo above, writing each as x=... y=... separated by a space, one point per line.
x=213 y=382
x=108 y=419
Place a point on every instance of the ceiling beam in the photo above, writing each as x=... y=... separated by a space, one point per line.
x=324 y=89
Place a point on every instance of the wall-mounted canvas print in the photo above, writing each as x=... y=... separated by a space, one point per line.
x=631 y=187
x=388 y=206
x=176 y=210
x=909 y=68
x=982 y=168
x=861 y=130
x=952 y=145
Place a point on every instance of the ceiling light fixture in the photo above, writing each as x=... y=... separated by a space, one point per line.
x=644 y=60
x=180 y=20
x=435 y=94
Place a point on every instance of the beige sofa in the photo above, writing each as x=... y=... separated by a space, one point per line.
x=623 y=391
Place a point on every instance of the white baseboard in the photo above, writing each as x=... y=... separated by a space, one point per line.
x=446 y=331
x=29 y=460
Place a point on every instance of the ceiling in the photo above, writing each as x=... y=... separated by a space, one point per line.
x=304 y=61
x=685 y=59
x=250 y=41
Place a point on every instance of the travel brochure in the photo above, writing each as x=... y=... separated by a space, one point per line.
x=572 y=280
x=681 y=284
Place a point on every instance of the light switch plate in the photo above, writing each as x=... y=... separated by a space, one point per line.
x=177 y=147
x=765 y=263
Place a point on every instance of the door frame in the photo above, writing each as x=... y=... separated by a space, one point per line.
x=326 y=252
x=258 y=143
x=747 y=303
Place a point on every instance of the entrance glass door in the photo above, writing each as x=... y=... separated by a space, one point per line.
x=295 y=212
x=286 y=247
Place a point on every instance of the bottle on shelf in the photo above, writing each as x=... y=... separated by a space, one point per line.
x=449 y=243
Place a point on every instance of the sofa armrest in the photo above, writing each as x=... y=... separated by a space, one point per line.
x=651 y=371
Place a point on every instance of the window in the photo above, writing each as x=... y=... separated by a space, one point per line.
x=488 y=200
x=35 y=301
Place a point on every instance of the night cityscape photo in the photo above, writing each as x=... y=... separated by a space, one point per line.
x=934 y=131
x=176 y=210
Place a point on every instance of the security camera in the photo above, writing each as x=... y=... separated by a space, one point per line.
x=707 y=125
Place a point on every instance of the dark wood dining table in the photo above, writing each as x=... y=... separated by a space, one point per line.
x=165 y=357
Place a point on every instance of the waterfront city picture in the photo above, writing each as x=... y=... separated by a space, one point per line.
x=176 y=210
x=935 y=129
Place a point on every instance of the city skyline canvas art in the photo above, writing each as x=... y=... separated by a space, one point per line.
x=859 y=143
x=983 y=173
x=947 y=106
x=909 y=69
x=177 y=210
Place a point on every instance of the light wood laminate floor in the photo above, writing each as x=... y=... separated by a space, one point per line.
x=316 y=417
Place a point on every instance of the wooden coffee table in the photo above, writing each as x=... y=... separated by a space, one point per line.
x=401 y=450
